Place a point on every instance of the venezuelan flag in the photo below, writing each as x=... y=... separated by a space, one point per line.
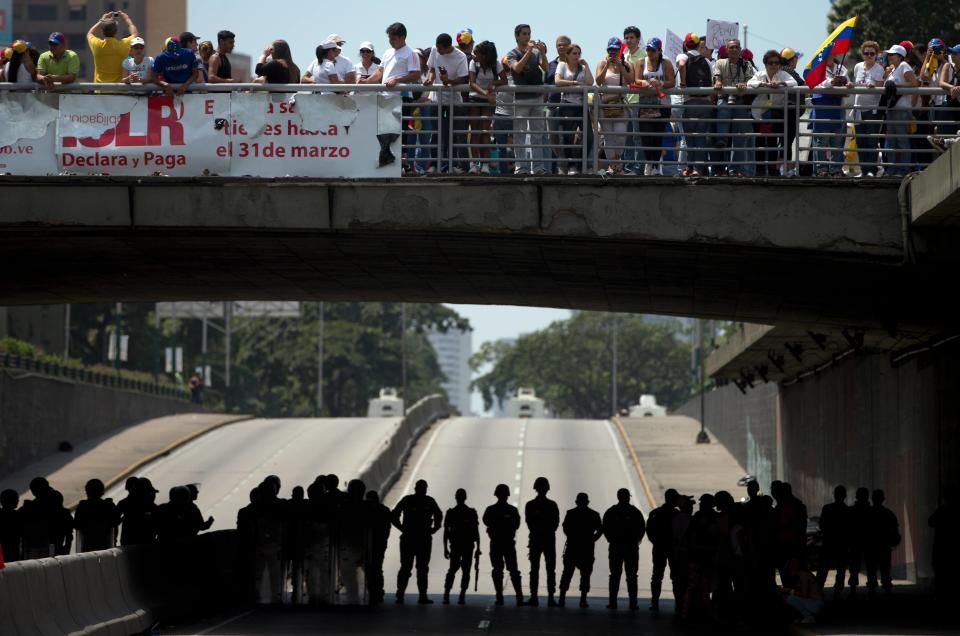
x=838 y=43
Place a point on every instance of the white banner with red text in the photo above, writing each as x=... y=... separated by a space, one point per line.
x=202 y=134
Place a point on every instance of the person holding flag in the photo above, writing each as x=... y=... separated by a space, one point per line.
x=826 y=70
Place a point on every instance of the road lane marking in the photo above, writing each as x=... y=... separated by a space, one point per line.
x=633 y=455
x=225 y=623
x=423 y=456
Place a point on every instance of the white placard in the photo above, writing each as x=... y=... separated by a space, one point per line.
x=719 y=32
x=672 y=47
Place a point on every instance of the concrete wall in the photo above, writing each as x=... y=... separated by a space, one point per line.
x=866 y=423
x=38 y=412
x=744 y=424
x=863 y=422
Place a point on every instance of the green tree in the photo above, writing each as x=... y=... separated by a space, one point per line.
x=892 y=21
x=569 y=364
x=275 y=372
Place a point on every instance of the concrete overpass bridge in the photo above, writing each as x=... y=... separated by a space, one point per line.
x=841 y=254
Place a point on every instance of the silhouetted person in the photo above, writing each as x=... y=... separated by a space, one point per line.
x=883 y=538
x=727 y=584
x=175 y=519
x=681 y=549
x=331 y=485
x=380 y=523
x=624 y=528
x=583 y=528
x=859 y=531
x=804 y=593
x=198 y=519
x=297 y=494
x=791 y=516
x=945 y=522
x=38 y=521
x=543 y=518
x=296 y=512
x=702 y=538
x=11 y=526
x=502 y=521
x=130 y=486
x=417 y=517
x=759 y=559
x=138 y=514
x=354 y=539
x=96 y=519
x=246 y=538
x=660 y=533
x=268 y=516
x=461 y=537
x=319 y=527
x=835 y=548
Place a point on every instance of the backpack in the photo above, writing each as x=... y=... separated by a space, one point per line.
x=699 y=74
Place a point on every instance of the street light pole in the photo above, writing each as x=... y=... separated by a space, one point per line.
x=227 y=324
x=403 y=352
x=613 y=373
x=320 y=364
x=702 y=437
x=66 y=333
x=116 y=338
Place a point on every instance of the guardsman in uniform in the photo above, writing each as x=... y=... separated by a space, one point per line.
x=380 y=524
x=461 y=536
x=835 y=528
x=417 y=517
x=543 y=518
x=660 y=533
x=502 y=521
x=583 y=528
x=623 y=527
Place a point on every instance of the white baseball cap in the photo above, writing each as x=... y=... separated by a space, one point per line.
x=329 y=44
x=336 y=38
x=899 y=50
x=136 y=41
x=367 y=45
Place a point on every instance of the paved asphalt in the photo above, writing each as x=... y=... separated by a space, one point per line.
x=479 y=453
x=231 y=461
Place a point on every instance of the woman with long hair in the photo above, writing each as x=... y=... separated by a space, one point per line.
x=280 y=69
x=486 y=74
x=22 y=67
x=654 y=75
x=573 y=70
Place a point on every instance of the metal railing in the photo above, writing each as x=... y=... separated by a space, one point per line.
x=88 y=376
x=696 y=131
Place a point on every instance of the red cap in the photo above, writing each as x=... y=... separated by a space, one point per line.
x=747 y=54
x=691 y=38
x=722 y=52
x=907 y=44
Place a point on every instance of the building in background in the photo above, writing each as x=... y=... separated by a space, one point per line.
x=35 y=20
x=453 y=353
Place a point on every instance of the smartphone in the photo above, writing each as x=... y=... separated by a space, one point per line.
x=116 y=14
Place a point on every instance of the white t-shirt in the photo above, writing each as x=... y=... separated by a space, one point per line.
x=363 y=72
x=485 y=77
x=344 y=67
x=142 y=69
x=899 y=76
x=397 y=63
x=566 y=73
x=456 y=64
x=23 y=75
x=863 y=76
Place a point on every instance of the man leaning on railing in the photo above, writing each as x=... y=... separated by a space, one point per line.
x=59 y=65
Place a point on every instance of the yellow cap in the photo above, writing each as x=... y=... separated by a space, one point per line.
x=788 y=53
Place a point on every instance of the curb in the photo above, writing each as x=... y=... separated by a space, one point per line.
x=636 y=462
x=183 y=441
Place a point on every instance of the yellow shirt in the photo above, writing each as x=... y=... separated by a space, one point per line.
x=108 y=57
x=634 y=59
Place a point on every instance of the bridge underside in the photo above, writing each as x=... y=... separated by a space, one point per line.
x=755 y=252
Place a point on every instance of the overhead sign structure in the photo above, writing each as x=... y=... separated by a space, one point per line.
x=241 y=309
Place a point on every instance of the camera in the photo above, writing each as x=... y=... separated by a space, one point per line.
x=116 y=14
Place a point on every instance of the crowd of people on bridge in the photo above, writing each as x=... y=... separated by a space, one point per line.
x=540 y=131
x=723 y=555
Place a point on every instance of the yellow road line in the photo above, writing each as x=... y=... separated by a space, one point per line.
x=186 y=439
x=636 y=462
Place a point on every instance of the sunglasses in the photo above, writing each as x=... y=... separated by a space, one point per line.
x=870 y=53
x=773 y=63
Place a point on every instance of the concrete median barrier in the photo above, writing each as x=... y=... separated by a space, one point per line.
x=7 y=626
x=42 y=605
x=385 y=467
x=55 y=595
x=132 y=619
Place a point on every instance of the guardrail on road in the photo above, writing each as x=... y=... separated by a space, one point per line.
x=385 y=467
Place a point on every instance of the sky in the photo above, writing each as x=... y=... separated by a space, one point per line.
x=800 y=24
